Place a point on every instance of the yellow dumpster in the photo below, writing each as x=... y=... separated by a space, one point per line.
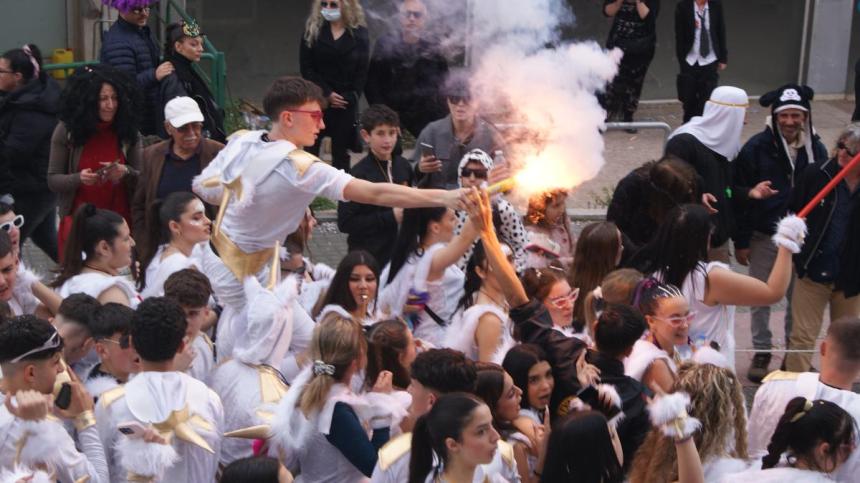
x=62 y=56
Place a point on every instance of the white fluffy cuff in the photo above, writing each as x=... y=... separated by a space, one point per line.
x=40 y=435
x=790 y=232
x=669 y=413
x=145 y=459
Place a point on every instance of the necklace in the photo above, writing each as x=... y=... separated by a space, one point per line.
x=504 y=305
x=385 y=175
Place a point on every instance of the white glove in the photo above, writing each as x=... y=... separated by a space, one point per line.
x=790 y=232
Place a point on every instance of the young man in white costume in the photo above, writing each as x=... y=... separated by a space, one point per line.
x=30 y=355
x=264 y=182
x=182 y=418
x=840 y=367
x=436 y=372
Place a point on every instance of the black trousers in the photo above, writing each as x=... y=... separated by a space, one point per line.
x=40 y=220
x=340 y=127
x=695 y=83
x=622 y=96
x=856 y=116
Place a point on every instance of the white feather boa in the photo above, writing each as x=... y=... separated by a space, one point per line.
x=42 y=434
x=20 y=473
x=669 y=413
x=145 y=459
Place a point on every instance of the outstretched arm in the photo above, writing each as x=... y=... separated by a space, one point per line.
x=505 y=273
x=397 y=196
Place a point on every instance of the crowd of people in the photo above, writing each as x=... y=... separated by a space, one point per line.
x=187 y=336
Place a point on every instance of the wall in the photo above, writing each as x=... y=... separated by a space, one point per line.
x=42 y=22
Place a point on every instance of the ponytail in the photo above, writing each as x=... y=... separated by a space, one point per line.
x=90 y=225
x=161 y=212
x=473 y=282
x=804 y=425
x=421 y=456
x=386 y=341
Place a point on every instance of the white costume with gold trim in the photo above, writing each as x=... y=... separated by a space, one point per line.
x=773 y=395
x=182 y=409
x=263 y=189
x=32 y=443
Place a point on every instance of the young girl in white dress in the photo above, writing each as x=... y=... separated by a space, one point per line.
x=98 y=248
x=481 y=328
x=183 y=225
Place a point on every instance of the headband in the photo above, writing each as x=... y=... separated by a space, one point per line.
x=190 y=29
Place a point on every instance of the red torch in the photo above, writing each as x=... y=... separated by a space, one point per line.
x=827 y=189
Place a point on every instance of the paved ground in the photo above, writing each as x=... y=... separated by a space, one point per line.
x=624 y=152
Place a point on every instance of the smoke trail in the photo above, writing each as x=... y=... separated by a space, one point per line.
x=545 y=86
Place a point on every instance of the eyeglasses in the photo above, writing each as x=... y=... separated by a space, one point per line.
x=478 y=173
x=459 y=99
x=841 y=145
x=678 y=320
x=53 y=342
x=329 y=4
x=315 y=115
x=17 y=222
x=124 y=341
x=413 y=14
x=565 y=301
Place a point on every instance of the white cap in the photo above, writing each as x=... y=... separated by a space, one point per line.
x=180 y=111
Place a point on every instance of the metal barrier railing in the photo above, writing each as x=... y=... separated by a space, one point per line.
x=620 y=126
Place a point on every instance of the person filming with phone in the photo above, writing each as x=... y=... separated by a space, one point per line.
x=443 y=143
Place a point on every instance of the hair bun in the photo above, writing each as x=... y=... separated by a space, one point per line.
x=88 y=210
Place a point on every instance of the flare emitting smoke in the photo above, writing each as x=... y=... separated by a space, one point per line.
x=546 y=87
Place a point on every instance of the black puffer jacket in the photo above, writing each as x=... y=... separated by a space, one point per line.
x=28 y=116
x=132 y=49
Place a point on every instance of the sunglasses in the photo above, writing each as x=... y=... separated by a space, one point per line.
x=413 y=14
x=329 y=4
x=140 y=10
x=565 y=301
x=315 y=115
x=841 y=145
x=53 y=342
x=479 y=173
x=678 y=320
x=17 y=222
x=459 y=99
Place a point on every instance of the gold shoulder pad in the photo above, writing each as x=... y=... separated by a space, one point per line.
x=506 y=450
x=394 y=450
x=781 y=376
x=111 y=396
x=302 y=160
x=272 y=387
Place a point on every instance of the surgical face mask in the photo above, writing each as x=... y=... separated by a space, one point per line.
x=331 y=14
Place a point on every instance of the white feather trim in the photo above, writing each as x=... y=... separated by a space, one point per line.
x=790 y=233
x=708 y=355
x=387 y=409
x=666 y=409
x=146 y=459
x=20 y=473
x=211 y=195
x=98 y=385
x=41 y=435
x=609 y=390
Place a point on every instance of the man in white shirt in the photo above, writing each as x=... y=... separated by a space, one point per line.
x=840 y=367
x=264 y=182
x=184 y=414
x=700 y=46
x=30 y=356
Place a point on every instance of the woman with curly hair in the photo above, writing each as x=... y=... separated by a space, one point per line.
x=547 y=215
x=334 y=54
x=183 y=48
x=96 y=149
x=717 y=400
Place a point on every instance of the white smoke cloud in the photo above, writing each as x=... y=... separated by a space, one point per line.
x=546 y=87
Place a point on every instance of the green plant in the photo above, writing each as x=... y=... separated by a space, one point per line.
x=323 y=204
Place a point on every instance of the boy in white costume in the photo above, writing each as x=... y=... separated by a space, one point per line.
x=436 y=372
x=184 y=413
x=264 y=182
x=30 y=350
x=192 y=291
x=840 y=367
x=249 y=385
